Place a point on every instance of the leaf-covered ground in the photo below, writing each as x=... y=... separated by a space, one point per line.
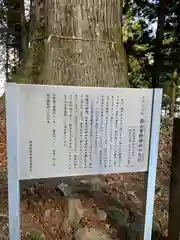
x=128 y=189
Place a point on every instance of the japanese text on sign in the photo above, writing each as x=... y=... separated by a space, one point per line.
x=78 y=131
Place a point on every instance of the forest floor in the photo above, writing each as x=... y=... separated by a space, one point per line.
x=128 y=189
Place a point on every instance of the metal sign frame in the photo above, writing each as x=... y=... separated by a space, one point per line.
x=13 y=162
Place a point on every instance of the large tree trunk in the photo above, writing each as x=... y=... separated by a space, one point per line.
x=77 y=42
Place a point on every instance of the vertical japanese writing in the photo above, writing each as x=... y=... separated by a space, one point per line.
x=91 y=133
x=65 y=120
x=70 y=107
x=141 y=132
x=81 y=131
x=116 y=132
x=111 y=132
x=30 y=156
x=131 y=144
x=94 y=129
x=96 y=124
x=48 y=105
x=54 y=135
x=70 y=145
x=101 y=132
x=54 y=147
x=54 y=108
x=75 y=129
x=70 y=130
x=53 y=130
x=86 y=131
x=106 y=131
x=121 y=129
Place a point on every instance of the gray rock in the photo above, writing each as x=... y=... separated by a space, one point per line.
x=76 y=211
x=84 y=185
x=97 y=183
x=94 y=181
x=156 y=226
x=72 y=189
x=65 y=189
x=158 y=191
x=102 y=215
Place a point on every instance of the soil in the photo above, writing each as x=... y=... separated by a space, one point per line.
x=37 y=202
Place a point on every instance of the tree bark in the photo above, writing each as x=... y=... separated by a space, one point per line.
x=159 y=42
x=77 y=42
x=173 y=93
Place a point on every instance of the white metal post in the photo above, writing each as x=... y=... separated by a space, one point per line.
x=153 y=156
x=13 y=168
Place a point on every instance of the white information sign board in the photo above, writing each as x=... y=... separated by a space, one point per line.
x=57 y=131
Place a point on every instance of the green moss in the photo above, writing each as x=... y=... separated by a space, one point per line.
x=34 y=236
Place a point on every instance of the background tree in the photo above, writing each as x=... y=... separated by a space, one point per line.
x=153 y=55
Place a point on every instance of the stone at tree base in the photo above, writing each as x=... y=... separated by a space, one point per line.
x=97 y=183
x=65 y=189
x=76 y=211
x=102 y=215
x=71 y=188
x=91 y=234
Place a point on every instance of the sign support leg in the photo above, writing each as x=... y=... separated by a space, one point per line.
x=13 y=168
x=153 y=156
x=174 y=198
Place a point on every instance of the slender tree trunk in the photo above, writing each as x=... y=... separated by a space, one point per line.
x=7 y=57
x=173 y=93
x=159 y=41
x=78 y=42
x=24 y=44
